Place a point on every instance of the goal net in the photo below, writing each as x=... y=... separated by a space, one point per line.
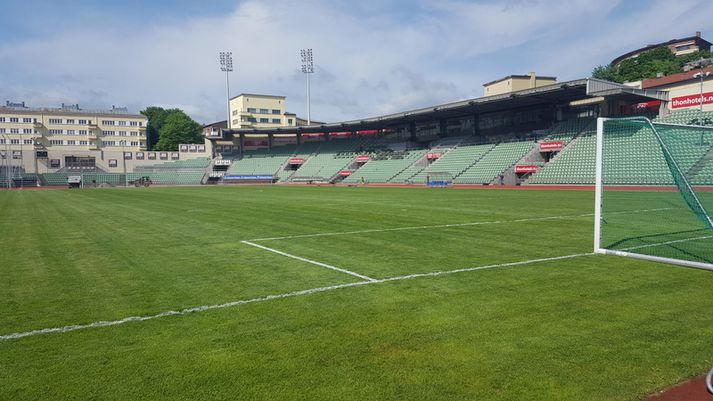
x=654 y=191
x=439 y=179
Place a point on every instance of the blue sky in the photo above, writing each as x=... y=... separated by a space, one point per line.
x=372 y=57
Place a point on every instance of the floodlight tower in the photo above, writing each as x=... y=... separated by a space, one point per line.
x=307 y=69
x=226 y=65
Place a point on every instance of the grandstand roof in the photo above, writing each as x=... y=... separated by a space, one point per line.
x=559 y=93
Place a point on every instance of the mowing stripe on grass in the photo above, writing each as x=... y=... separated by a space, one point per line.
x=314 y=262
x=231 y=304
x=475 y=223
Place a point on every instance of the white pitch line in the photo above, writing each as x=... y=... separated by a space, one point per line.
x=475 y=223
x=197 y=309
x=667 y=243
x=314 y=262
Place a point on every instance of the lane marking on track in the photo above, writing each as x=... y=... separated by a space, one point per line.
x=314 y=262
x=197 y=309
x=475 y=223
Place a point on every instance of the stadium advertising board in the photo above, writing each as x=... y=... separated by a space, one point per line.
x=362 y=159
x=249 y=177
x=691 y=100
x=527 y=168
x=431 y=156
x=296 y=160
x=551 y=145
x=345 y=173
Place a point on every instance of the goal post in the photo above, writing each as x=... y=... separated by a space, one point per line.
x=654 y=191
x=439 y=179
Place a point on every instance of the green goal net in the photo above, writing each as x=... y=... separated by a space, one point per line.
x=655 y=191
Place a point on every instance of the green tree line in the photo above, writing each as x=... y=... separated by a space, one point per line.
x=167 y=128
x=647 y=65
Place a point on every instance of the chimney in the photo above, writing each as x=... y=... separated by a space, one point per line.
x=533 y=79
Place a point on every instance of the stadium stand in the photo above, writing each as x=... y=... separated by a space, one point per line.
x=191 y=164
x=453 y=162
x=261 y=161
x=382 y=170
x=493 y=163
x=332 y=157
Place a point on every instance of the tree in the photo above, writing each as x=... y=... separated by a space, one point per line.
x=178 y=128
x=606 y=72
x=157 y=116
x=647 y=65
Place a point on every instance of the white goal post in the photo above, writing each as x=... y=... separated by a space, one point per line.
x=651 y=237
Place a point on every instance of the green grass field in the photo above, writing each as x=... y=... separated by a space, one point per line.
x=589 y=327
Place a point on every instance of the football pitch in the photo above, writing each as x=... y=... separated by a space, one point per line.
x=338 y=293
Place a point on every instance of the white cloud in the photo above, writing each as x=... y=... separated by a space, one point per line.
x=367 y=64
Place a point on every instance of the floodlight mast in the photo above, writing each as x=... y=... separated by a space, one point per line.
x=226 y=65
x=307 y=69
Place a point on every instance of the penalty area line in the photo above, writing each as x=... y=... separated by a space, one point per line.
x=451 y=225
x=198 y=309
x=314 y=262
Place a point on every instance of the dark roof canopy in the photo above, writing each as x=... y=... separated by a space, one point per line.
x=556 y=94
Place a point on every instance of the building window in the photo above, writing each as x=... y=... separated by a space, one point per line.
x=14 y=130
x=134 y=133
x=82 y=122
x=27 y=120
x=275 y=111
x=235 y=112
x=109 y=143
x=55 y=132
x=55 y=121
x=56 y=142
x=107 y=122
x=69 y=121
x=139 y=155
x=134 y=123
x=275 y=120
x=252 y=110
x=122 y=123
x=2 y=119
x=264 y=111
x=289 y=121
x=14 y=120
x=27 y=131
x=27 y=141
x=82 y=132
x=122 y=133
x=252 y=119
x=71 y=132
x=2 y=130
x=71 y=142
x=113 y=163
x=134 y=143
x=84 y=143
x=14 y=141
x=108 y=133
x=264 y=120
x=127 y=156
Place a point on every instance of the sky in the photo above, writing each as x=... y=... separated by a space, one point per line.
x=371 y=57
